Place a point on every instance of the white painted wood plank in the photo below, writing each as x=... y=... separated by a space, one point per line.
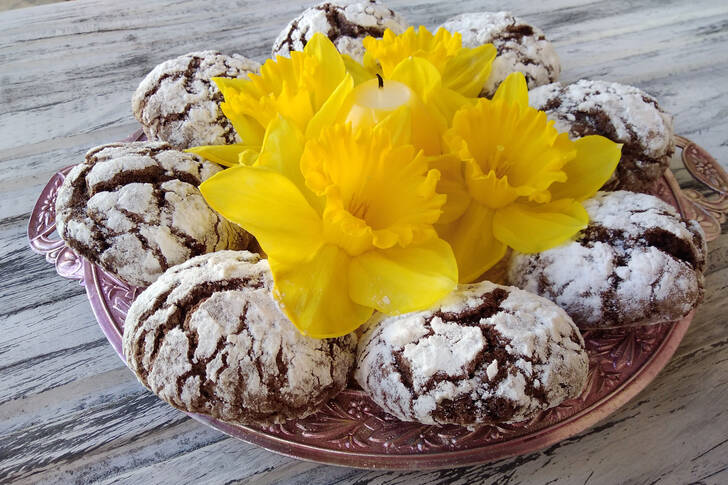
x=69 y=411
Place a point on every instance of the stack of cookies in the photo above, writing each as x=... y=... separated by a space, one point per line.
x=207 y=335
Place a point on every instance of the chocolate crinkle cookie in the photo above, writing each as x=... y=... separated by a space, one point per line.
x=637 y=262
x=345 y=23
x=179 y=103
x=486 y=354
x=521 y=47
x=624 y=114
x=208 y=337
x=135 y=209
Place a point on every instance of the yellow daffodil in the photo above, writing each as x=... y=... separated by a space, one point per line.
x=346 y=220
x=514 y=180
x=316 y=88
x=308 y=88
x=463 y=70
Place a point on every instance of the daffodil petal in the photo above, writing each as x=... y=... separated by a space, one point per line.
x=418 y=74
x=232 y=85
x=369 y=62
x=269 y=206
x=281 y=152
x=357 y=71
x=453 y=185
x=330 y=69
x=321 y=47
x=467 y=72
x=513 y=90
x=596 y=159
x=532 y=228
x=249 y=130
x=249 y=156
x=424 y=80
x=400 y=280
x=315 y=294
x=331 y=109
x=227 y=155
x=447 y=102
x=471 y=237
x=282 y=148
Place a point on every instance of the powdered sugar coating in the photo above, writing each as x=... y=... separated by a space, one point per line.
x=486 y=354
x=623 y=114
x=346 y=23
x=178 y=103
x=638 y=262
x=135 y=209
x=208 y=337
x=521 y=47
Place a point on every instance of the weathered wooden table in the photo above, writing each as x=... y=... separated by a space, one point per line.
x=70 y=412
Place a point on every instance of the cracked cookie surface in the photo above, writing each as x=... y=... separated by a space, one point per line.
x=637 y=262
x=624 y=114
x=208 y=337
x=345 y=23
x=486 y=354
x=521 y=47
x=177 y=101
x=135 y=209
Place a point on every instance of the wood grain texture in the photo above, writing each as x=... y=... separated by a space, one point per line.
x=70 y=412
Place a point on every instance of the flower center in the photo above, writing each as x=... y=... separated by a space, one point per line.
x=497 y=162
x=359 y=209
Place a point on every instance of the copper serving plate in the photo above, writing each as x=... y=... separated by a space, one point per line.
x=352 y=431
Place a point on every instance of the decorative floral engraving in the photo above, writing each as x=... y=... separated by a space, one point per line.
x=351 y=422
x=117 y=296
x=48 y=205
x=711 y=209
x=703 y=166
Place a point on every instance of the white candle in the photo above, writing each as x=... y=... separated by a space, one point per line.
x=374 y=100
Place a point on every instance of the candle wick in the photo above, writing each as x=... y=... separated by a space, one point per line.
x=381 y=81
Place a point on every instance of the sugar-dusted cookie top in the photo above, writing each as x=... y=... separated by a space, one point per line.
x=208 y=337
x=521 y=47
x=486 y=354
x=637 y=262
x=135 y=209
x=178 y=103
x=345 y=23
x=622 y=113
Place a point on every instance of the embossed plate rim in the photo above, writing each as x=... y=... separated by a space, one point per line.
x=520 y=445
